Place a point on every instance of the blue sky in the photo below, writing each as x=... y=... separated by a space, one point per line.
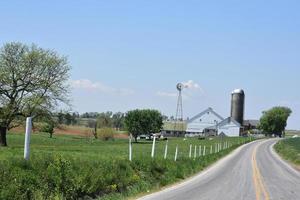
x=131 y=54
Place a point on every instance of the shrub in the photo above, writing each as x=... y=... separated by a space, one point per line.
x=47 y=128
x=106 y=134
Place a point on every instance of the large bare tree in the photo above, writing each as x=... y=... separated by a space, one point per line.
x=33 y=82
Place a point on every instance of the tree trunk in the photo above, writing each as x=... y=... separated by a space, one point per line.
x=3 y=136
x=135 y=139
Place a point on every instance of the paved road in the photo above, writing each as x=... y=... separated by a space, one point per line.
x=251 y=172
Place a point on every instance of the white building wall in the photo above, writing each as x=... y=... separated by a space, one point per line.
x=206 y=120
x=231 y=130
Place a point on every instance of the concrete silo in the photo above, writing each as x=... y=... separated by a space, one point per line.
x=238 y=105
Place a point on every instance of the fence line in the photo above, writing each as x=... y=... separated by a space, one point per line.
x=195 y=150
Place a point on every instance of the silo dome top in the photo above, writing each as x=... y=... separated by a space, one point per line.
x=238 y=91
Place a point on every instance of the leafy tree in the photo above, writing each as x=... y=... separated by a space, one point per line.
x=274 y=121
x=105 y=120
x=165 y=117
x=32 y=80
x=74 y=118
x=146 y=121
x=48 y=128
x=105 y=134
x=67 y=118
x=118 y=120
x=48 y=119
x=60 y=117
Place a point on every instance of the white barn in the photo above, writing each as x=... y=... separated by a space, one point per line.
x=229 y=127
x=209 y=122
x=206 y=119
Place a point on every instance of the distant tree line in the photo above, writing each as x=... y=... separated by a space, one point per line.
x=67 y=118
x=91 y=119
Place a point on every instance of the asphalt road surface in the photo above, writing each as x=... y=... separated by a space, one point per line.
x=252 y=172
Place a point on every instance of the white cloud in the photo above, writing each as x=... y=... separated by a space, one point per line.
x=86 y=84
x=190 y=88
x=190 y=84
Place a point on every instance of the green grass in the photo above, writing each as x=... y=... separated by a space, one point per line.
x=289 y=149
x=86 y=148
x=291 y=133
x=72 y=167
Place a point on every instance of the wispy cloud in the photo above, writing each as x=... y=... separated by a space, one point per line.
x=190 y=88
x=190 y=84
x=86 y=84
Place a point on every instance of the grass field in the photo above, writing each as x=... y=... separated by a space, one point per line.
x=72 y=167
x=289 y=149
x=291 y=133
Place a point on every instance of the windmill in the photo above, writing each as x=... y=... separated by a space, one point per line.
x=179 y=125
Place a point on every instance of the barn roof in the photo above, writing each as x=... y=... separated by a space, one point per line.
x=227 y=121
x=204 y=112
x=251 y=122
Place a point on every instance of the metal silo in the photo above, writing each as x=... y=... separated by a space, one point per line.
x=238 y=105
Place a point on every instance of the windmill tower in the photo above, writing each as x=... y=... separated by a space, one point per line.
x=179 y=125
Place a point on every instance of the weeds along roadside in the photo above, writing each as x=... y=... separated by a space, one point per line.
x=52 y=176
x=289 y=149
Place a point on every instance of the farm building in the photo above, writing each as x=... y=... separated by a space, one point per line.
x=170 y=128
x=250 y=124
x=210 y=122
x=229 y=127
x=205 y=121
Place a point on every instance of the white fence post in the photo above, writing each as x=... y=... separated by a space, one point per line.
x=195 y=152
x=190 y=154
x=27 y=138
x=153 y=146
x=130 y=148
x=166 y=150
x=176 y=152
x=200 y=153
x=204 y=149
x=216 y=148
x=211 y=149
